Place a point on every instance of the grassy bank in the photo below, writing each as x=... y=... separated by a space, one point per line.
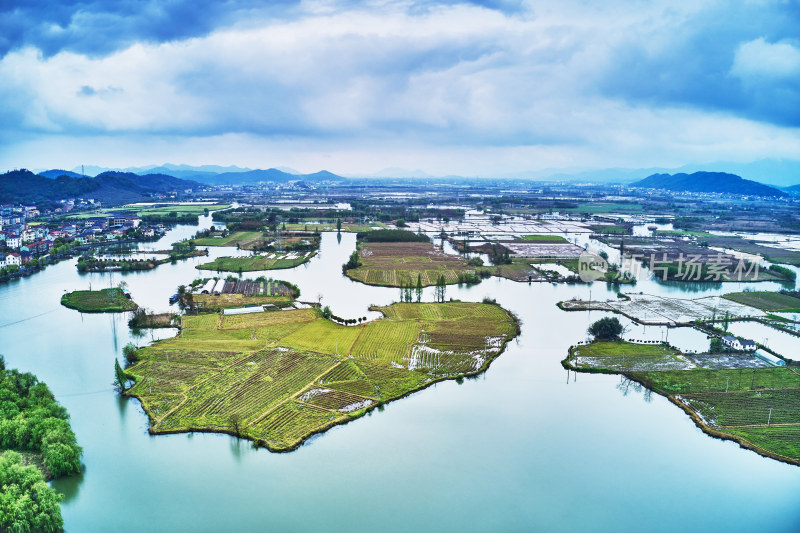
x=279 y=377
x=757 y=407
x=112 y=300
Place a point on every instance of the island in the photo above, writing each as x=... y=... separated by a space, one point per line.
x=277 y=377
x=110 y=300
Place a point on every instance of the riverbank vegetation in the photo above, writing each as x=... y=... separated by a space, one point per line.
x=27 y=503
x=182 y=250
x=757 y=407
x=111 y=300
x=279 y=377
x=37 y=443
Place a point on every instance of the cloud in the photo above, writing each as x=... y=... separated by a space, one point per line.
x=687 y=59
x=98 y=28
x=511 y=85
x=760 y=59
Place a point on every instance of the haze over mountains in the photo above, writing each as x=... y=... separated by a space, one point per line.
x=775 y=172
x=140 y=183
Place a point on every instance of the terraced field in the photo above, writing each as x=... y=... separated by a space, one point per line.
x=757 y=407
x=395 y=263
x=279 y=377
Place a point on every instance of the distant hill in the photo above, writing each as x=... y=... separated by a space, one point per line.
x=25 y=187
x=272 y=174
x=710 y=182
x=53 y=174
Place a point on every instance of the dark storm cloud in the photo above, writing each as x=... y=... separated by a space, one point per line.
x=99 y=28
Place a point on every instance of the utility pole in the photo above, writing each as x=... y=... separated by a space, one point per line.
x=770 y=415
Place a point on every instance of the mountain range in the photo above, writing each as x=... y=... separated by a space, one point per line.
x=708 y=182
x=25 y=187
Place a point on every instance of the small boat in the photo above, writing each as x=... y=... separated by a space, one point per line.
x=652 y=228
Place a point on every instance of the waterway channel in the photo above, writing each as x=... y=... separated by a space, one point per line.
x=525 y=446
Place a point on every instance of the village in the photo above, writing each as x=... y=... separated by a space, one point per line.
x=30 y=239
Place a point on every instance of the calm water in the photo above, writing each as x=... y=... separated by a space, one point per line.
x=525 y=446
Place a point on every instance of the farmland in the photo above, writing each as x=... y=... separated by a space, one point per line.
x=111 y=300
x=395 y=263
x=757 y=407
x=544 y=238
x=279 y=377
x=242 y=239
x=150 y=210
x=766 y=301
x=267 y=261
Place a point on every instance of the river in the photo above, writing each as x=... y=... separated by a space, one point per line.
x=524 y=446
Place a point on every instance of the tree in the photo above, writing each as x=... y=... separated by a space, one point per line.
x=726 y=321
x=715 y=346
x=441 y=289
x=606 y=329
x=235 y=421
x=129 y=352
x=339 y=225
x=419 y=288
x=27 y=503
x=353 y=262
x=120 y=377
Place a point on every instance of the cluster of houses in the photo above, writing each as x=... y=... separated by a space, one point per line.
x=21 y=242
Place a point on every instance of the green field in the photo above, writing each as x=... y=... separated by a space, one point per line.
x=331 y=226
x=241 y=238
x=680 y=233
x=142 y=210
x=605 y=207
x=545 y=238
x=111 y=300
x=257 y=262
x=279 y=377
x=766 y=301
x=197 y=209
x=743 y=403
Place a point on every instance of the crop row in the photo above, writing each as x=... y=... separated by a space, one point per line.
x=250 y=387
x=268 y=318
x=747 y=408
x=388 y=341
x=289 y=423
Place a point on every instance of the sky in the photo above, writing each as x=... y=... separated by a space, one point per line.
x=476 y=88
